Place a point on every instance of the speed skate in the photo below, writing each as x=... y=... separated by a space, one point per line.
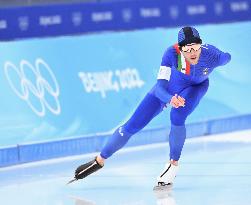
x=163 y=187
x=166 y=178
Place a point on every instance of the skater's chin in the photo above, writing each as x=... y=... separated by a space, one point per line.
x=194 y=60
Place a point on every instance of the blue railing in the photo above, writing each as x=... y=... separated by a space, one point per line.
x=23 y=153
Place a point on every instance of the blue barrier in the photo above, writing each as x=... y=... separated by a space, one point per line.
x=68 y=19
x=93 y=143
x=9 y=156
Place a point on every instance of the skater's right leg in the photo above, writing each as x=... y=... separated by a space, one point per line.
x=145 y=112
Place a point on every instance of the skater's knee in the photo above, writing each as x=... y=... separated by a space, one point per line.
x=131 y=128
x=178 y=122
x=125 y=131
x=178 y=119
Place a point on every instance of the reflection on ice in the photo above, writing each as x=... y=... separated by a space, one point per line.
x=81 y=201
x=164 y=197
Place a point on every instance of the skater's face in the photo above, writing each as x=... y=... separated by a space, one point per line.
x=191 y=52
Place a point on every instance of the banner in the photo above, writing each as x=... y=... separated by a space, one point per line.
x=65 y=87
x=69 y=19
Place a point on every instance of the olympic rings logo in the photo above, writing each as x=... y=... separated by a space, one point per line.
x=39 y=88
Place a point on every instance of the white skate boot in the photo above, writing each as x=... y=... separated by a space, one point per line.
x=166 y=178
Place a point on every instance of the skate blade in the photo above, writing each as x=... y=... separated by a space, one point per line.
x=166 y=187
x=73 y=180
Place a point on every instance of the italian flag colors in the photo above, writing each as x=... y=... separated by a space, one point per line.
x=183 y=65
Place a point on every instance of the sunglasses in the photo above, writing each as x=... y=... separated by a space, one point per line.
x=188 y=48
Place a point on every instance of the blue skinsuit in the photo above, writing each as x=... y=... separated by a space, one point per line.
x=171 y=81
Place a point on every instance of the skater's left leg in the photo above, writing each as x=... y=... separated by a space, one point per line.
x=177 y=134
x=178 y=116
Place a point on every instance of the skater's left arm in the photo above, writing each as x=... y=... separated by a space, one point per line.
x=222 y=58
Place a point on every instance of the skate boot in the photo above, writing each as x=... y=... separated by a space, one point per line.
x=166 y=178
x=86 y=169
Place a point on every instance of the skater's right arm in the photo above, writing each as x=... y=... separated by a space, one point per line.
x=163 y=78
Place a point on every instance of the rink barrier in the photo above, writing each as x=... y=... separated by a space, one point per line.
x=23 y=153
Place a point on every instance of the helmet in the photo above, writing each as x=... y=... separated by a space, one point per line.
x=188 y=35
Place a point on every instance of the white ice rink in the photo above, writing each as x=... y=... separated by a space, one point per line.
x=214 y=170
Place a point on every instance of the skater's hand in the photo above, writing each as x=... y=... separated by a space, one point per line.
x=177 y=101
